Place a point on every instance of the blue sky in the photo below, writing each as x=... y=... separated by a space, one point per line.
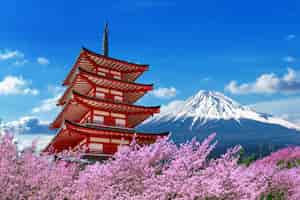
x=248 y=50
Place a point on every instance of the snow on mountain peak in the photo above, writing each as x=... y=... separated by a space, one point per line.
x=208 y=105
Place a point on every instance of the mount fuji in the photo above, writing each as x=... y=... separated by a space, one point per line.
x=208 y=112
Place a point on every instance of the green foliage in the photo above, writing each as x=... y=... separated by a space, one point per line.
x=244 y=159
x=274 y=196
x=288 y=164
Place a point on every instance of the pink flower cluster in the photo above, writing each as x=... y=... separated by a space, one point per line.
x=159 y=171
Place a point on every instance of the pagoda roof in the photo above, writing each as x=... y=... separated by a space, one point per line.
x=133 y=66
x=63 y=140
x=112 y=83
x=89 y=60
x=80 y=85
x=110 y=105
x=72 y=111
x=109 y=130
x=75 y=109
x=84 y=81
x=73 y=133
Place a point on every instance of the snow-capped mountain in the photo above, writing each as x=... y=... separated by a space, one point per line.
x=206 y=106
x=208 y=112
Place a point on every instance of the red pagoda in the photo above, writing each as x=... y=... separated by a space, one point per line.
x=98 y=112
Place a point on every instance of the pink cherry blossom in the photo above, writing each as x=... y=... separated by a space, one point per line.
x=161 y=171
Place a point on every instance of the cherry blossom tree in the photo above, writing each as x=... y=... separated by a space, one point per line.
x=161 y=171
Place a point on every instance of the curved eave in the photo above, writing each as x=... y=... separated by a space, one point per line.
x=84 y=58
x=112 y=131
x=142 y=66
x=61 y=101
x=63 y=140
x=69 y=136
x=80 y=104
x=114 y=83
x=73 y=69
x=121 y=107
x=85 y=77
x=71 y=111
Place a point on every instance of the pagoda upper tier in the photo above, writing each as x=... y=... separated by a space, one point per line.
x=90 y=61
x=86 y=82
x=80 y=105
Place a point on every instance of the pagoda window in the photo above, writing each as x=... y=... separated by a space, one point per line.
x=120 y=141
x=100 y=95
x=101 y=92
x=120 y=122
x=100 y=89
x=96 y=147
x=118 y=99
x=115 y=72
x=98 y=119
x=102 y=70
x=101 y=73
x=118 y=115
x=116 y=92
x=99 y=112
x=95 y=139
x=117 y=77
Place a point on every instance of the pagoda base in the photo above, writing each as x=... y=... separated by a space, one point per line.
x=96 y=140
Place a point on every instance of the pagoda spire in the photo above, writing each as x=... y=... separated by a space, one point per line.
x=105 y=47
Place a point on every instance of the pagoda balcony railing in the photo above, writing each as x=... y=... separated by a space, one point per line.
x=91 y=123
x=96 y=154
x=110 y=98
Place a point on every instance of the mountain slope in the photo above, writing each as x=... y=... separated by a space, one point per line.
x=206 y=106
x=208 y=112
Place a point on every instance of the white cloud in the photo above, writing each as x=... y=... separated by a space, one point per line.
x=21 y=62
x=290 y=37
x=289 y=59
x=25 y=125
x=16 y=55
x=49 y=104
x=268 y=84
x=165 y=93
x=28 y=129
x=7 y=54
x=55 y=90
x=40 y=140
x=43 y=61
x=288 y=108
x=12 y=85
x=172 y=106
